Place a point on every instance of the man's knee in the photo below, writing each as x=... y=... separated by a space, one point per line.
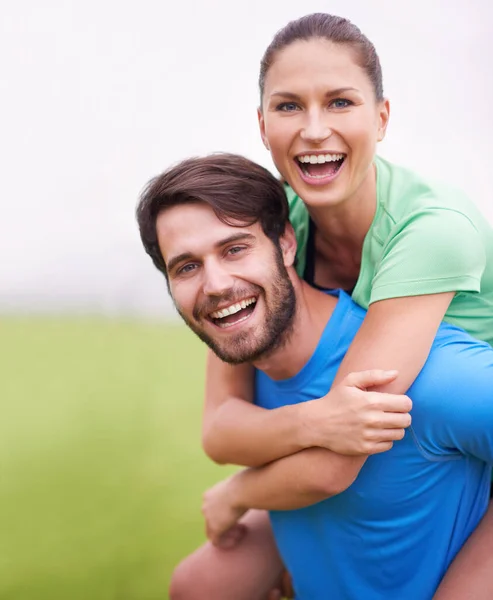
x=185 y=585
x=195 y=578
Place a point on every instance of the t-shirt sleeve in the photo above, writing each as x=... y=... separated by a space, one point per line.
x=456 y=417
x=433 y=250
x=300 y=220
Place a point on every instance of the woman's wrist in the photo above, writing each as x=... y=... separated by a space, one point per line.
x=308 y=429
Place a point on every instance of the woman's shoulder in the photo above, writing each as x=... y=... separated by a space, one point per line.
x=403 y=193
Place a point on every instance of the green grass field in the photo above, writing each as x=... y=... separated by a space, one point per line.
x=101 y=470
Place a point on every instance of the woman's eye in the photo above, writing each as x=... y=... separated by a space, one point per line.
x=287 y=107
x=340 y=103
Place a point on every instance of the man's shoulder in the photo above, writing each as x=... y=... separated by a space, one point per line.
x=453 y=398
x=455 y=340
x=458 y=367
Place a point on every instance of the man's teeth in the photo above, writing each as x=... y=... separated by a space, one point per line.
x=319 y=158
x=231 y=310
x=225 y=324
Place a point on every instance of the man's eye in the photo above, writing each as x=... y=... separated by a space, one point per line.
x=188 y=268
x=287 y=107
x=340 y=103
x=235 y=249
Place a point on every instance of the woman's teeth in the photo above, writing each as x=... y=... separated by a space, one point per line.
x=319 y=158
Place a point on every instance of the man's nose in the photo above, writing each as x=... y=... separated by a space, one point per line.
x=217 y=280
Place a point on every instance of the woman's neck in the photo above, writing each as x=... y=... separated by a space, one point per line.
x=346 y=225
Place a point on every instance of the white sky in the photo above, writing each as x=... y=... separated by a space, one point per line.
x=97 y=96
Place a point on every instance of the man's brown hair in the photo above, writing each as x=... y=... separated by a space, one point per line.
x=239 y=191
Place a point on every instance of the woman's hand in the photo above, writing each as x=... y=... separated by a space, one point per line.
x=222 y=516
x=352 y=420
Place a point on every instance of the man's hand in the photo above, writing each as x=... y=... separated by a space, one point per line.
x=221 y=516
x=353 y=420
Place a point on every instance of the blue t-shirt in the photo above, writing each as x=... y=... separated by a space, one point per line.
x=394 y=532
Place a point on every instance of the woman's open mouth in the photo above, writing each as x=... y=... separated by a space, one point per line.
x=319 y=168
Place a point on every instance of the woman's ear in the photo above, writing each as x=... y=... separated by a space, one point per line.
x=383 y=119
x=261 y=124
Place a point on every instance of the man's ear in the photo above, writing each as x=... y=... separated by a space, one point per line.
x=261 y=124
x=288 y=245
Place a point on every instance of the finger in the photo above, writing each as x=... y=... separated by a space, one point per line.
x=232 y=537
x=394 y=435
x=391 y=403
x=383 y=436
x=274 y=595
x=380 y=447
x=385 y=420
x=287 y=585
x=210 y=534
x=226 y=542
x=229 y=540
x=371 y=378
x=213 y=538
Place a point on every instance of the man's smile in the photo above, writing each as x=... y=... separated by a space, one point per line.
x=233 y=313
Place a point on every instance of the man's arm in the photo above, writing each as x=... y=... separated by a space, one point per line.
x=349 y=420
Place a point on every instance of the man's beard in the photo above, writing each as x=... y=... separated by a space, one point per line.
x=249 y=346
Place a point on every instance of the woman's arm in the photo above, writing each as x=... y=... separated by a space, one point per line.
x=234 y=429
x=348 y=420
x=289 y=483
x=397 y=334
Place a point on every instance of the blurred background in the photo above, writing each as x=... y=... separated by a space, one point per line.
x=101 y=471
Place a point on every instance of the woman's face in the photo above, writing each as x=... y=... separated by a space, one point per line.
x=320 y=120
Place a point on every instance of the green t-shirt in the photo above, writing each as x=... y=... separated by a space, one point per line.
x=425 y=238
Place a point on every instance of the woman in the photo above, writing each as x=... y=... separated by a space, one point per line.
x=411 y=253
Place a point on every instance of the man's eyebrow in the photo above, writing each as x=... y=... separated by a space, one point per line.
x=178 y=259
x=330 y=93
x=236 y=237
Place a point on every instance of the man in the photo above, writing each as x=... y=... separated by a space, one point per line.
x=227 y=252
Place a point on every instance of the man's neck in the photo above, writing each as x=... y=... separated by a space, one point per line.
x=313 y=311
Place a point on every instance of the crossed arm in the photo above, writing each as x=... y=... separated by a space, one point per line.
x=396 y=334
x=294 y=443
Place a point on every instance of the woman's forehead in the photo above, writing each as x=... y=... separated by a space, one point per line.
x=303 y=60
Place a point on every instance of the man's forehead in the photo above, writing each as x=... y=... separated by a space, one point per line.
x=195 y=228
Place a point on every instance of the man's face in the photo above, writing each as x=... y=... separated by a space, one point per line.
x=229 y=284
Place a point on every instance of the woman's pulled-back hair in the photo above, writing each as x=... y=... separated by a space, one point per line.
x=325 y=27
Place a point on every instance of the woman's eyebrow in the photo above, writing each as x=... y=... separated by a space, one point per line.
x=293 y=96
